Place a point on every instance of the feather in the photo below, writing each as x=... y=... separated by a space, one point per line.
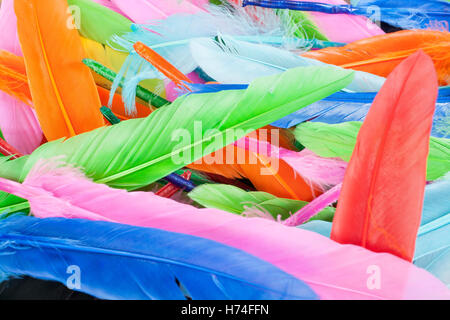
x=104 y=54
x=323 y=26
x=65 y=100
x=99 y=23
x=433 y=242
x=132 y=154
x=315 y=207
x=371 y=212
x=230 y=61
x=406 y=14
x=250 y=204
x=17 y=121
x=400 y=13
x=262 y=181
x=345 y=107
x=318 y=173
x=264 y=172
x=381 y=54
x=110 y=5
x=341 y=141
x=49 y=247
x=13 y=79
x=142 y=11
x=119 y=108
x=170 y=38
x=6 y=150
x=331 y=270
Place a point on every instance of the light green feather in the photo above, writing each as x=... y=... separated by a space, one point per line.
x=99 y=23
x=339 y=140
x=235 y=200
x=137 y=152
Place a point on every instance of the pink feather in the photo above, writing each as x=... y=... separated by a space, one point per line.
x=314 y=207
x=142 y=11
x=322 y=172
x=351 y=27
x=18 y=121
x=110 y=5
x=332 y=270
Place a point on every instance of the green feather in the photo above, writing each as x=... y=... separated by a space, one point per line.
x=235 y=200
x=339 y=140
x=137 y=152
x=99 y=23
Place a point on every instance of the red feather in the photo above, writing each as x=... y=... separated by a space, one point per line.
x=382 y=197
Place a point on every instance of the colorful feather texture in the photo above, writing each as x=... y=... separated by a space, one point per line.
x=316 y=260
x=17 y=121
x=65 y=100
x=346 y=107
x=153 y=264
x=382 y=195
x=274 y=180
x=104 y=153
x=170 y=38
x=341 y=141
x=381 y=54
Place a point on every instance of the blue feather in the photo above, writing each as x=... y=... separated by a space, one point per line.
x=230 y=61
x=124 y=262
x=344 y=107
x=433 y=241
x=406 y=14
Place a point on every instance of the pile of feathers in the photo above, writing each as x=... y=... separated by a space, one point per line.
x=195 y=149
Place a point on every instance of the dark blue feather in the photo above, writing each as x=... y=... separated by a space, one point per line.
x=344 y=107
x=125 y=262
x=406 y=14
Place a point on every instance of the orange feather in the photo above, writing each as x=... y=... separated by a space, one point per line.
x=64 y=92
x=381 y=54
x=13 y=79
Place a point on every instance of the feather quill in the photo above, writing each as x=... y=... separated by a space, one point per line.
x=382 y=195
x=17 y=120
x=165 y=266
x=65 y=100
x=332 y=270
x=381 y=54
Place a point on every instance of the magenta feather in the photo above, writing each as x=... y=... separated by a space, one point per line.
x=332 y=270
x=314 y=207
x=351 y=27
x=18 y=121
x=110 y=5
